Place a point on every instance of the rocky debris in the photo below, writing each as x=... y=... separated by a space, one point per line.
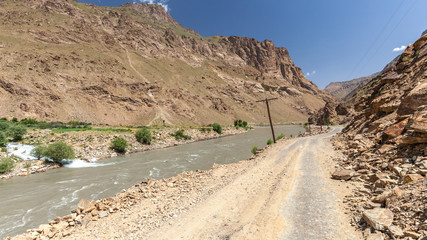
x=343 y=174
x=386 y=145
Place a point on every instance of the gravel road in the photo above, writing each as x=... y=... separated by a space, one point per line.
x=285 y=192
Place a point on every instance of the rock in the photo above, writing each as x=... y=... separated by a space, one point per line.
x=412 y=178
x=378 y=218
x=343 y=174
x=103 y=214
x=85 y=206
x=395 y=231
x=396 y=129
x=412 y=234
x=44 y=229
x=375 y=236
x=395 y=192
x=60 y=226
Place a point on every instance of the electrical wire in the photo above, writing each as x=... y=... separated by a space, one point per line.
x=376 y=39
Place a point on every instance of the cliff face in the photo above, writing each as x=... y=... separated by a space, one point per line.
x=134 y=64
x=394 y=105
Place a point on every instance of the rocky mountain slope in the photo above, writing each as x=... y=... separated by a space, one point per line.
x=134 y=64
x=344 y=90
x=386 y=147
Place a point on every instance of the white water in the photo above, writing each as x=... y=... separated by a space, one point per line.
x=21 y=151
x=24 y=152
x=77 y=163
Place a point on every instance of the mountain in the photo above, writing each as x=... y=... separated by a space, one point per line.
x=344 y=90
x=397 y=96
x=134 y=64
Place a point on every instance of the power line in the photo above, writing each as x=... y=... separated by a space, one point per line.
x=394 y=29
x=376 y=39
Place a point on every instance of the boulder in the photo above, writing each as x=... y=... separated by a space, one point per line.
x=395 y=231
x=412 y=178
x=378 y=218
x=343 y=174
x=396 y=129
x=415 y=98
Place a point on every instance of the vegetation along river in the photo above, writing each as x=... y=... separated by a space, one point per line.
x=30 y=201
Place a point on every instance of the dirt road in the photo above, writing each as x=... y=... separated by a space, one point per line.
x=284 y=193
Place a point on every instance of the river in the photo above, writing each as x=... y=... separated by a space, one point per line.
x=30 y=201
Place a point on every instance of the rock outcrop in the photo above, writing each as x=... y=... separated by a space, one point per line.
x=386 y=146
x=135 y=65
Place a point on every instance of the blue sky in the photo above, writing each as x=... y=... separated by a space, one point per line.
x=331 y=40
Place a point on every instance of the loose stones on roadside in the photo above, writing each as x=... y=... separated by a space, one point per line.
x=343 y=174
x=378 y=218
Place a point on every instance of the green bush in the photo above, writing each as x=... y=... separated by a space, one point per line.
x=6 y=164
x=119 y=145
x=16 y=133
x=254 y=150
x=269 y=141
x=180 y=135
x=3 y=139
x=59 y=151
x=217 y=128
x=143 y=136
x=39 y=152
x=4 y=126
x=280 y=136
x=240 y=123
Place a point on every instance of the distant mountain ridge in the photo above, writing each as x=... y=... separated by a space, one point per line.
x=346 y=89
x=134 y=64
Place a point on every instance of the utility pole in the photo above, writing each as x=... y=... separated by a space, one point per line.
x=269 y=115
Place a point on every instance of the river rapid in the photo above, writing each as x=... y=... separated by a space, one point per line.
x=30 y=201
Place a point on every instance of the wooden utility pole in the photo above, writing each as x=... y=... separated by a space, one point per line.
x=269 y=115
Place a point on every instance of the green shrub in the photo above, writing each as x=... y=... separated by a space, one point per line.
x=143 y=136
x=15 y=120
x=180 y=135
x=269 y=141
x=4 y=126
x=217 y=128
x=6 y=164
x=240 y=123
x=3 y=140
x=254 y=150
x=280 y=136
x=291 y=136
x=119 y=145
x=59 y=151
x=39 y=152
x=16 y=133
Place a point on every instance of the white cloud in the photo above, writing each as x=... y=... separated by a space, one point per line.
x=312 y=73
x=399 y=49
x=163 y=3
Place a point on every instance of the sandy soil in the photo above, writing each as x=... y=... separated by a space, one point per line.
x=283 y=193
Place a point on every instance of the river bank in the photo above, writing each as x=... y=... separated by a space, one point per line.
x=163 y=199
x=92 y=146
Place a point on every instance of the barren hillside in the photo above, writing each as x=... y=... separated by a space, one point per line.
x=134 y=64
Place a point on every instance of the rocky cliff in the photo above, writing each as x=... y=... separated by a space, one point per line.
x=134 y=64
x=385 y=145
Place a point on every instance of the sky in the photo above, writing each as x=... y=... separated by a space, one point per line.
x=330 y=40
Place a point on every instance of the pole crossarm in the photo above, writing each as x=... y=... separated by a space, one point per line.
x=267 y=99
